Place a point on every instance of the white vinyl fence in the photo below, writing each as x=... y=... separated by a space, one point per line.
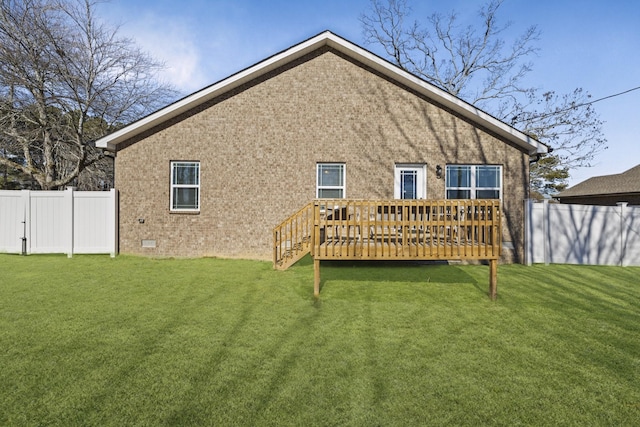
x=70 y=222
x=582 y=234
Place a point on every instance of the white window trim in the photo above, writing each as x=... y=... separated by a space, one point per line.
x=172 y=186
x=421 y=188
x=473 y=188
x=342 y=187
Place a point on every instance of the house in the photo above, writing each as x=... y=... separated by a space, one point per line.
x=213 y=173
x=606 y=190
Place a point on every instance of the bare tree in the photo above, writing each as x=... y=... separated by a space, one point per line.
x=65 y=80
x=476 y=64
x=567 y=122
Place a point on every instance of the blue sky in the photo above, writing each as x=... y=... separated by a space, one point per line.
x=593 y=44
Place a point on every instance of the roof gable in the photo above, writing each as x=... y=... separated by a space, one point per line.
x=357 y=53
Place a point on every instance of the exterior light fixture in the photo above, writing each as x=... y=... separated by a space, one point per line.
x=439 y=172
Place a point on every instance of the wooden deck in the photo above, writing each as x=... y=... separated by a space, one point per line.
x=343 y=229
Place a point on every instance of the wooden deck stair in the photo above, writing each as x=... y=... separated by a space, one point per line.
x=343 y=229
x=292 y=238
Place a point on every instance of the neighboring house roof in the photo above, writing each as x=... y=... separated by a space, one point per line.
x=622 y=183
x=359 y=54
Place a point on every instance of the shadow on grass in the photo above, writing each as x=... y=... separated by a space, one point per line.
x=394 y=271
x=390 y=271
x=422 y=272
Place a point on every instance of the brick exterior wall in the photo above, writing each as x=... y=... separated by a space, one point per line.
x=258 y=147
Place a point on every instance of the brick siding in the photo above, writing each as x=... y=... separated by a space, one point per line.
x=258 y=146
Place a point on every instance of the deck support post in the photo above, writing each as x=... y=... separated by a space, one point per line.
x=316 y=277
x=493 y=279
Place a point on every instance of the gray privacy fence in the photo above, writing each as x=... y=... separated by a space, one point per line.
x=582 y=234
x=70 y=222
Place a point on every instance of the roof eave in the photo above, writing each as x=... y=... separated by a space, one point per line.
x=446 y=99
x=598 y=195
x=532 y=146
x=183 y=105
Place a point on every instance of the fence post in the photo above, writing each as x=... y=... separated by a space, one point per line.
x=623 y=232
x=528 y=225
x=68 y=206
x=545 y=231
x=26 y=217
x=114 y=221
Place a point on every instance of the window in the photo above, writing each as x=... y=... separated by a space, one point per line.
x=185 y=186
x=330 y=181
x=474 y=182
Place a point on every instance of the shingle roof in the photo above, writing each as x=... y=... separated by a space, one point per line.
x=626 y=182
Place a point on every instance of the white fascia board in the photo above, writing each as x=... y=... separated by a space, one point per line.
x=111 y=141
x=433 y=92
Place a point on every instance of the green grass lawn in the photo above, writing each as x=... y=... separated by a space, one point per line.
x=133 y=341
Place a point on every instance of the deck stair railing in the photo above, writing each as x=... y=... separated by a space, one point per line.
x=292 y=238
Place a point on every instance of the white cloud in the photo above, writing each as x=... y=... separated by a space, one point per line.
x=173 y=45
x=171 y=41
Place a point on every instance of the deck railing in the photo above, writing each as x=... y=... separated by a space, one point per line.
x=334 y=229
x=406 y=229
